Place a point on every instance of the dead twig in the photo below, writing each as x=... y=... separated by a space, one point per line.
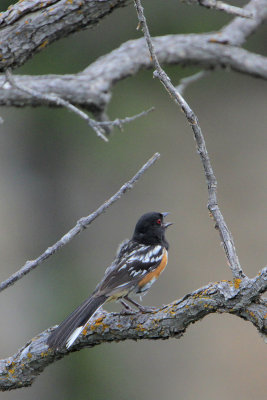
x=81 y=224
x=191 y=117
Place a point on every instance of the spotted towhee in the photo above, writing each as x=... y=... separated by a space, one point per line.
x=138 y=264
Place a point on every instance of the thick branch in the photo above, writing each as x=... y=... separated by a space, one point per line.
x=30 y=26
x=238 y=30
x=91 y=89
x=238 y=298
x=81 y=224
x=44 y=22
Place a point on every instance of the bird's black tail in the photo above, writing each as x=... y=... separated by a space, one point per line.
x=67 y=332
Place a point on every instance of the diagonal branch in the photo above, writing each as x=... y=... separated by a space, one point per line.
x=91 y=89
x=221 y=6
x=45 y=21
x=81 y=224
x=213 y=207
x=185 y=82
x=52 y=99
x=239 y=29
x=172 y=320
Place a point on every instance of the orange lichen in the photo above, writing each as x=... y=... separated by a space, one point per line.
x=98 y=323
x=140 y=328
x=265 y=316
x=12 y=371
x=237 y=283
x=104 y=327
x=98 y=320
x=44 y=44
x=29 y=355
x=201 y=295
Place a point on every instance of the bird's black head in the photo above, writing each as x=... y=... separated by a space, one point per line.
x=150 y=229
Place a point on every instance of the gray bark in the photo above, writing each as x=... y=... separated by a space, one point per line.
x=44 y=22
x=91 y=89
x=170 y=321
x=29 y=26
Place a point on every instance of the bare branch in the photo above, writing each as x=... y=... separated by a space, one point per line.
x=46 y=21
x=92 y=88
x=120 y=122
x=221 y=6
x=54 y=99
x=213 y=207
x=190 y=79
x=172 y=320
x=81 y=224
x=238 y=30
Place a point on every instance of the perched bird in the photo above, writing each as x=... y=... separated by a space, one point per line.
x=138 y=264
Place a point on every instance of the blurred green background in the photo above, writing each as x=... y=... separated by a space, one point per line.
x=53 y=170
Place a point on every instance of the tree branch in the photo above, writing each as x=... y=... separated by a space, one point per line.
x=239 y=29
x=100 y=127
x=91 y=89
x=58 y=101
x=189 y=80
x=191 y=117
x=237 y=298
x=45 y=21
x=240 y=297
x=81 y=224
x=221 y=6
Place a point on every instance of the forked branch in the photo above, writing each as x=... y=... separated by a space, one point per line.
x=192 y=119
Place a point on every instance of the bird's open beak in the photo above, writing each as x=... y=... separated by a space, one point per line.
x=168 y=223
x=165 y=214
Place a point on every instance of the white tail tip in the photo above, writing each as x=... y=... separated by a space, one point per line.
x=73 y=336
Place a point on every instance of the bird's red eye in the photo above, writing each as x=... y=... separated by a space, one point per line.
x=159 y=221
